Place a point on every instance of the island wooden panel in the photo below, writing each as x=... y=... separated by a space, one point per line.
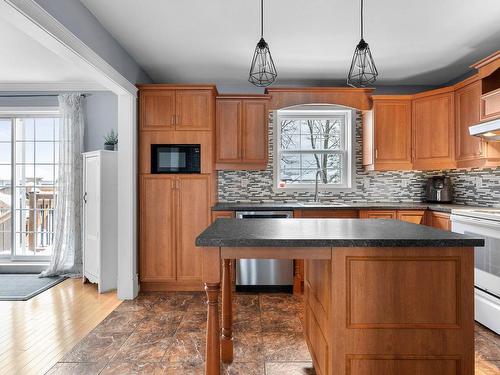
x=430 y=330
x=402 y=365
x=317 y=311
x=428 y=279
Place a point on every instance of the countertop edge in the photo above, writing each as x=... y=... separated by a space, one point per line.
x=282 y=206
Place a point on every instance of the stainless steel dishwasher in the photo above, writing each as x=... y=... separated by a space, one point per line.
x=264 y=275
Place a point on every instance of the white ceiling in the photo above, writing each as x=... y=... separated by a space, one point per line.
x=424 y=42
x=24 y=60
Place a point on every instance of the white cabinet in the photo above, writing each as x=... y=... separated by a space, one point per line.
x=100 y=219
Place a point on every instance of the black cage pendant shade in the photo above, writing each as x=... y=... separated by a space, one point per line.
x=363 y=71
x=262 y=71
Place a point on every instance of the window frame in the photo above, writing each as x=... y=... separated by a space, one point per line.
x=13 y=113
x=348 y=139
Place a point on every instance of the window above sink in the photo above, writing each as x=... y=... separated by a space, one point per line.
x=314 y=142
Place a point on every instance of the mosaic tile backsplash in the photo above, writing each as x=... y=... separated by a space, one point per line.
x=471 y=186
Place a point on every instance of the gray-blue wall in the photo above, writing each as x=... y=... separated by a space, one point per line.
x=82 y=23
x=101 y=113
x=101 y=110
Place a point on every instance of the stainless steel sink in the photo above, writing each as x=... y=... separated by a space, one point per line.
x=322 y=204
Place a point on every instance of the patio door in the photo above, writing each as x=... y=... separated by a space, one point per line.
x=28 y=173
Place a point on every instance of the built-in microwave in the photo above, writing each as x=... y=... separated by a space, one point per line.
x=175 y=158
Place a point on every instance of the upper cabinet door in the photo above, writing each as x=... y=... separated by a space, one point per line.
x=433 y=132
x=392 y=124
x=467 y=108
x=157 y=110
x=228 y=130
x=194 y=110
x=254 y=132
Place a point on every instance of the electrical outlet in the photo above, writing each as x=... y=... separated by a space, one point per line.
x=366 y=183
x=244 y=182
x=479 y=182
x=404 y=182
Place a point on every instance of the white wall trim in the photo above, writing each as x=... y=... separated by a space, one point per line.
x=33 y=20
x=51 y=86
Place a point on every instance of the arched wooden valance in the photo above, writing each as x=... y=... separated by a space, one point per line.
x=282 y=97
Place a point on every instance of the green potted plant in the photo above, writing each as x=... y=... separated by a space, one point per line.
x=111 y=140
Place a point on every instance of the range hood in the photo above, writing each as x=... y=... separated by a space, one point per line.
x=489 y=131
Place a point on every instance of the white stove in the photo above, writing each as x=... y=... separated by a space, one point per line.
x=483 y=222
x=480 y=213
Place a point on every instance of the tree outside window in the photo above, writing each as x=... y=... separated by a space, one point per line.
x=312 y=141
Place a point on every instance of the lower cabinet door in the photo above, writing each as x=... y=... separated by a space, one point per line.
x=411 y=216
x=377 y=214
x=193 y=216
x=157 y=242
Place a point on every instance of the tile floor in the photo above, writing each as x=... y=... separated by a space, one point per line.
x=163 y=334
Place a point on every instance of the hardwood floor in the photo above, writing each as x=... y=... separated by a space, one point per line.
x=35 y=334
x=164 y=333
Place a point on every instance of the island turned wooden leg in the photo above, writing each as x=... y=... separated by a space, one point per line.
x=227 y=314
x=212 y=351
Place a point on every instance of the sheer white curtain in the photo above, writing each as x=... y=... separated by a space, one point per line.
x=67 y=246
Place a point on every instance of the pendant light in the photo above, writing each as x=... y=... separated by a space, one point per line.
x=363 y=71
x=262 y=71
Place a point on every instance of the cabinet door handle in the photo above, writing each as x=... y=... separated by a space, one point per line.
x=172 y=120
x=376 y=153
x=177 y=184
x=177 y=119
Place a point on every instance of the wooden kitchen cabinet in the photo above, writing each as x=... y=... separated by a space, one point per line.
x=157 y=110
x=222 y=214
x=489 y=74
x=157 y=247
x=439 y=220
x=377 y=214
x=325 y=214
x=433 y=130
x=411 y=216
x=472 y=151
x=468 y=148
x=241 y=132
x=170 y=107
x=387 y=134
x=174 y=210
x=192 y=217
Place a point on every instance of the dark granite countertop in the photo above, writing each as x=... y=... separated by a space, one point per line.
x=281 y=206
x=328 y=232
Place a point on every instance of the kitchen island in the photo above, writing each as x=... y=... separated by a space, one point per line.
x=381 y=296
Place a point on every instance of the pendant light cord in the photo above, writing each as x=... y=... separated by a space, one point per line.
x=261 y=18
x=361 y=19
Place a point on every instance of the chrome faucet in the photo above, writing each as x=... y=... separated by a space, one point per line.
x=318 y=173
